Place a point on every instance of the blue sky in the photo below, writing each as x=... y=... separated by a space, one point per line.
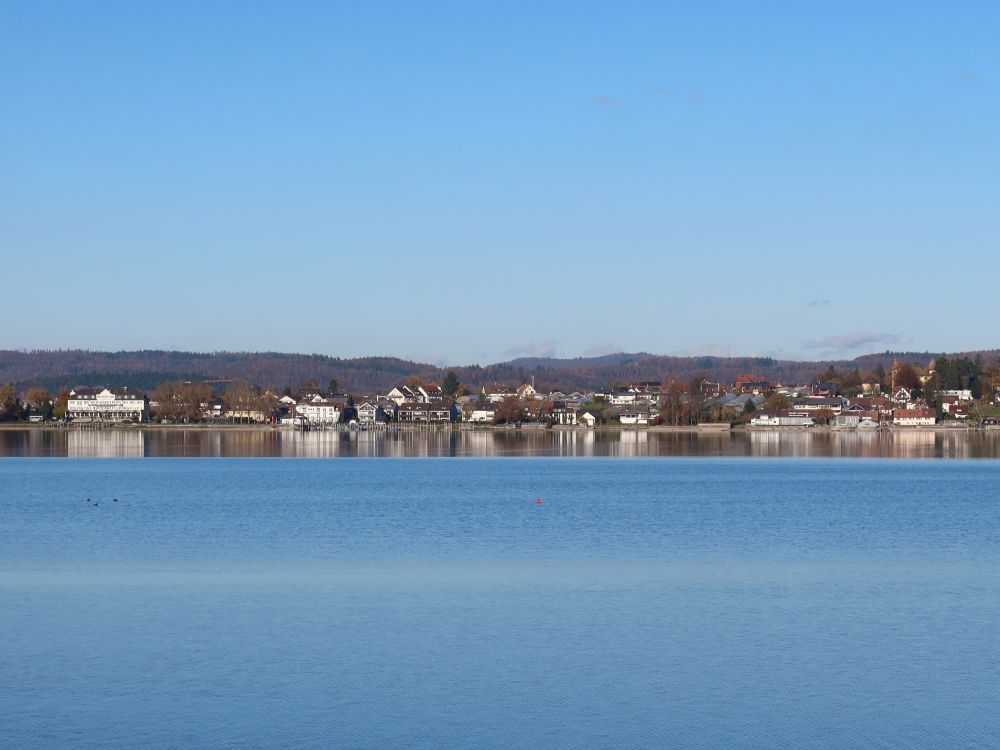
x=463 y=182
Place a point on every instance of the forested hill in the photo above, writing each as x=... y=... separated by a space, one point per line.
x=146 y=369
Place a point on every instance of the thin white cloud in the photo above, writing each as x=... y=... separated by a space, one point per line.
x=851 y=341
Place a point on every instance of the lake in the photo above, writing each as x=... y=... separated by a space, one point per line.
x=262 y=442
x=426 y=603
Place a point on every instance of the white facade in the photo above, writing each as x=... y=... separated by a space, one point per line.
x=782 y=420
x=964 y=394
x=107 y=406
x=914 y=421
x=482 y=415
x=319 y=413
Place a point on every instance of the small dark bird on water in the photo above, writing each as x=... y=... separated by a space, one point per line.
x=115 y=499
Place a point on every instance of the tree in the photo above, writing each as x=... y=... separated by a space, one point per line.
x=333 y=385
x=905 y=376
x=829 y=375
x=823 y=416
x=39 y=401
x=509 y=410
x=672 y=394
x=241 y=400
x=777 y=402
x=450 y=384
x=60 y=404
x=749 y=407
x=10 y=406
x=880 y=375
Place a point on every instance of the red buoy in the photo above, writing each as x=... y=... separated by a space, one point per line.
x=538 y=501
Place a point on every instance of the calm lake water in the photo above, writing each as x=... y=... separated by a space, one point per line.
x=648 y=603
x=137 y=443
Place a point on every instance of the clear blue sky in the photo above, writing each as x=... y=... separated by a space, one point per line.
x=462 y=182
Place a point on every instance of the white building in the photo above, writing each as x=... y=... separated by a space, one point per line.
x=914 y=417
x=320 y=412
x=635 y=414
x=782 y=419
x=482 y=414
x=106 y=405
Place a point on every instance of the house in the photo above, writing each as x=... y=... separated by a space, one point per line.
x=563 y=413
x=497 y=392
x=711 y=388
x=738 y=404
x=404 y=394
x=107 y=405
x=903 y=396
x=371 y=412
x=622 y=396
x=288 y=417
x=526 y=392
x=782 y=419
x=431 y=394
x=634 y=414
x=878 y=404
x=480 y=414
x=847 y=421
x=920 y=417
x=320 y=411
x=752 y=384
x=960 y=394
x=425 y=413
x=587 y=419
x=825 y=389
x=836 y=404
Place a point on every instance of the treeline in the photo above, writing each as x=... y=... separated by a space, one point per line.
x=145 y=370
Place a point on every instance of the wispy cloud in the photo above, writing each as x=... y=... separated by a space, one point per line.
x=818 y=303
x=533 y=349
x=851 y=341
x=603 y=100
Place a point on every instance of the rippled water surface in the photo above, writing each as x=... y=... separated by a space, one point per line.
x=435 y=603
x=265 y=442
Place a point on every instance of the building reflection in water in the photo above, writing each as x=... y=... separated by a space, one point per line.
x=206 y=442
x=105 y=443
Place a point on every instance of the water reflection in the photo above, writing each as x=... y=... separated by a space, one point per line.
x=129 y=443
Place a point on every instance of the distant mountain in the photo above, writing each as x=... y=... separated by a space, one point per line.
x=146 y=369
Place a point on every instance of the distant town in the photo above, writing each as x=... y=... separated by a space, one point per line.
x=955 y=391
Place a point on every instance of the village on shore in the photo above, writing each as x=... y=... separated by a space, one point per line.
x=954 y=392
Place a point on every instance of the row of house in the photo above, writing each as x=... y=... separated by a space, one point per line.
x=636 y=404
